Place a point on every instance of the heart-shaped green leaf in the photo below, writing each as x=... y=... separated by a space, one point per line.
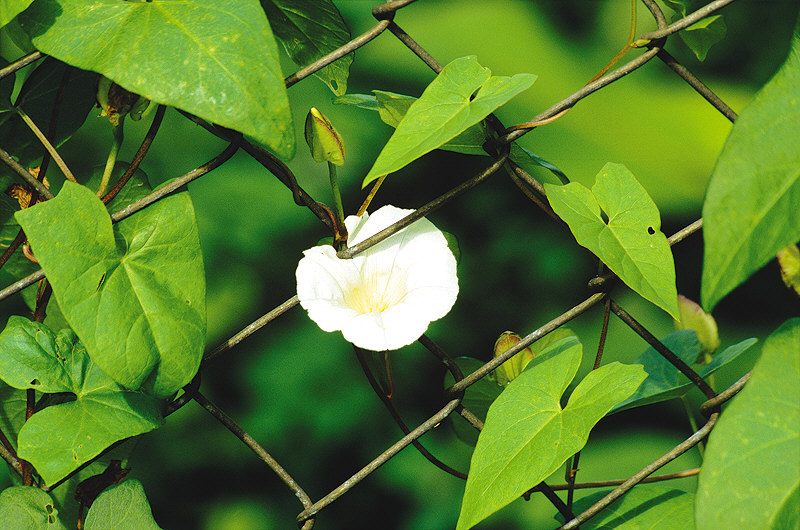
x=527 y=435
x=121 y=506
x=393 y=107
x=445 y=109
x=751 y=470
x=751 y=207
x=220 y=64
x=630 y=243
x=134 y=293
x=310 y=30
x=664 y=381
x=28 y=508
x=61 y=437
x=702 y=35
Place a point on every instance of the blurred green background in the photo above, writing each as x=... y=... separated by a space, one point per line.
x=300 y=392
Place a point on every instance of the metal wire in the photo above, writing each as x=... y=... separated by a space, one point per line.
x=385 y=14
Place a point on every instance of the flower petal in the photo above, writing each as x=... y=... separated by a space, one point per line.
x=323 y=281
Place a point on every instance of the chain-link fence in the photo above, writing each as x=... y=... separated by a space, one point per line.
x=647 y=47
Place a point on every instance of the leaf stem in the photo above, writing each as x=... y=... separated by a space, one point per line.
x=46 y=143
x=119 y=136
x=337 y=194
x=371 y=195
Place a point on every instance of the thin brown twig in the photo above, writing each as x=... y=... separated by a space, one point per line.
x=606 y=483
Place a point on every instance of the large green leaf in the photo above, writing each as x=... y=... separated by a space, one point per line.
x=445 y=109
x=645 y=507
x=751 y=206
x=664 y=381
x=11 y=8
x=392 y=107
x=309 y=31
x=630 y=243
x=527 y=435
x=134 y=293
x=220 y=64
x=122 y=506
x=61 y=437
x=751 y=472
x=28 y=508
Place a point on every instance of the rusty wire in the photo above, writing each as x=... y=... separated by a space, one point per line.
x=498 y=148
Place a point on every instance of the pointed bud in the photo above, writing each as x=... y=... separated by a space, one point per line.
x=693 y=317
x=509 y=370
x=789 y=260
x=322 y=138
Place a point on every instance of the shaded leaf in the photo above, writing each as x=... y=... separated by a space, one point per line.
x=134 y=293
x=229 y=71
x=789 y=260
x=527 y=435
x=37 y=98
x=643 y=507
x=664 y=381
x=477 y=398
x=702 y=35
x=444 y=110
x=62 y=436
x=28 y=508
x=750 y=210
x=123 y=506
x=630 y=243
x=751 y=470
x=310 y=30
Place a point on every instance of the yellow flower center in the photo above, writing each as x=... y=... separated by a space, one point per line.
x=377 y=292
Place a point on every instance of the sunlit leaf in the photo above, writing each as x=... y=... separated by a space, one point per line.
x=28 y=508
x=645 y=507
x=630 y=242
x=134 y=293
x=220 y=64
x=751 y=206
x=527 y=435
x=664 y=381
x=11 y=8
x=309 y=31
x=751 y=470
x=122 y=506
x=62 y=436
x=446 y=109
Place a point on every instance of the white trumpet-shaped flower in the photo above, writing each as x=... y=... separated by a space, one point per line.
x=385 y=297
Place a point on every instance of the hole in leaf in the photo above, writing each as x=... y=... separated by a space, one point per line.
x=604 y=216
x=49 y=508
x=651 y=230
x=35 y=382
x=334 y=84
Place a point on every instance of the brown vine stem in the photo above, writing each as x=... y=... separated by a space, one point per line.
x=387 y=402
x=606 y=483
x=683 y=23
x=25 y=174
x=139 y=156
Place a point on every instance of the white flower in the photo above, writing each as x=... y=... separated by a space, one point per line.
x=385 y=297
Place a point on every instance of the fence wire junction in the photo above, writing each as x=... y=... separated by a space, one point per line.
x=652 y=46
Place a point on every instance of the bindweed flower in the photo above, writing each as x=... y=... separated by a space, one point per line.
x=385 y=297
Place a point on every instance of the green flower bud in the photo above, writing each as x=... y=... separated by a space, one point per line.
x=322 y=138
x=789 y=260
x=693 y=317
x=509 y=370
